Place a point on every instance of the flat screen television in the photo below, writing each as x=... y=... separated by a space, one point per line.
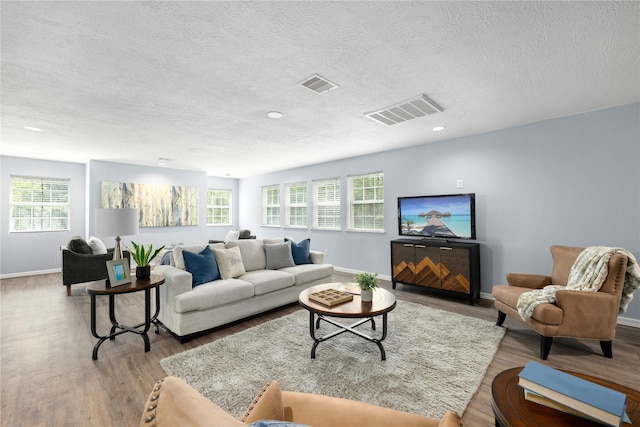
x=448 y=216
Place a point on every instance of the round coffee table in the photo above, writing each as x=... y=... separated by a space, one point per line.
x=101 y=288
x=512 y=409
x=383 y=302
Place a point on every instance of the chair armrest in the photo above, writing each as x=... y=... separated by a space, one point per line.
x=316 y=257
x=176 y=281
x=326 y=411
x=588 y=314
x=174 y=403
x=81 y=268
x=532 y=281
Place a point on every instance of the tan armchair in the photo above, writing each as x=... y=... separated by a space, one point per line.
x=584 y=315
x=174 y=403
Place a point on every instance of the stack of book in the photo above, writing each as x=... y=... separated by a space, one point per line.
x=568 y=393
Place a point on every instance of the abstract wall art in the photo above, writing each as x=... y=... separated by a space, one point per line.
x=159 y=205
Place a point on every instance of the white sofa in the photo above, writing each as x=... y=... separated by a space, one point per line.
x=186 y=310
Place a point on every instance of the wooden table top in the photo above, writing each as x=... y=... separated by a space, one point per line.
x=383 y=302
x=513 y=410
x=100 y=287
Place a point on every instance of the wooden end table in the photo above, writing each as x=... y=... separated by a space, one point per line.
x=136 y=285
x=383 y=302
x=511 y=409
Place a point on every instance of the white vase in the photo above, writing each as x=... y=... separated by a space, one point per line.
x=367 y=296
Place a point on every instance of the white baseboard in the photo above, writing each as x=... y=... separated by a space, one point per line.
x=29 y=273
x=626 y=321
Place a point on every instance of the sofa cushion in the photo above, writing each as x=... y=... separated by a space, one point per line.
x=278 y=255
x=273 y=240
x=230 y=262
x=549 y=314
x=202 y=266
x=213 y=294
x=178 y=259
x=79 y=246
x=97 y=246
x=306 y=273
x=300 y=251
x=252 y=251
x=265 y=281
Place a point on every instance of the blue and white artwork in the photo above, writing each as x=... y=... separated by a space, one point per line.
x=159 y=205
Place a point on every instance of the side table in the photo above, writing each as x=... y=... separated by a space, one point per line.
x=511 y=409
x=101 y=288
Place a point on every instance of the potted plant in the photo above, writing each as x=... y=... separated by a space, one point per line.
x=143 y=257
x=367 y=282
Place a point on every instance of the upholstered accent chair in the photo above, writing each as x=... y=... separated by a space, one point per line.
x=80 y=265
x=235 y=235
x=173 y=402
x=575 y=314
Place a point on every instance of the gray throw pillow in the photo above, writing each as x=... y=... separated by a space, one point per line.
x=279 y=255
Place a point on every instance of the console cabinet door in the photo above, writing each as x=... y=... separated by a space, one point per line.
x=428 y=270
x=403 y=262
x=454 y=269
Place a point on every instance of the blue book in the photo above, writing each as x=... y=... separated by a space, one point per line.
x=593 y=400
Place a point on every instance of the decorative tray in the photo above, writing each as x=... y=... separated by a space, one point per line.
x=330 y=297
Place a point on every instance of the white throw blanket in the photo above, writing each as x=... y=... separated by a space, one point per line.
x=587 y=274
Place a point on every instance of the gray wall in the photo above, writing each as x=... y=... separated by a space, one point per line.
x=571 y=181
x=29 y=253
x=38 y=252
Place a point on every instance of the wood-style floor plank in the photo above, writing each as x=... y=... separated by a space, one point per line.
x=48 y=378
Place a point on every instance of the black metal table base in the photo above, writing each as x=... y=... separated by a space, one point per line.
x=315 y=324
x=118 y=329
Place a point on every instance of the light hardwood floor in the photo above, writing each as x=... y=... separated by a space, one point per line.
x=49 y=379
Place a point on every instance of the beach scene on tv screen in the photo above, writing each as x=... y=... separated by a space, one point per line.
x=447 y=216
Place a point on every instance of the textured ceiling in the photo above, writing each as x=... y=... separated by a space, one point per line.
x=193 y=81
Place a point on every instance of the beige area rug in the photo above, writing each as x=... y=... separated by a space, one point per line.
x=436 y=361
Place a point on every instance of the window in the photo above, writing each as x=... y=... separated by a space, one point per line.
x=366 y=202
x=326 y=204
x=218 y=207
x=39 y=204
x=296 y=204
x=271 y=205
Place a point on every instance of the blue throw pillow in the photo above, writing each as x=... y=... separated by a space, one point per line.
x=202 y=266
x=300 y=251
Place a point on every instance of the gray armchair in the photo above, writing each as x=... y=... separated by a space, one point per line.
x=81 y=267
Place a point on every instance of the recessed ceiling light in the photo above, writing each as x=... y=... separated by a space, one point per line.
x=33 y=129
x=438 y=128
x=275 y=114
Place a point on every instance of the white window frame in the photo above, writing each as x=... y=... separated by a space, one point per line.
x=327 y=209
x=43 y=207
x=216 y=211
x=271 y=205
x=366 y=202
x=296 y=204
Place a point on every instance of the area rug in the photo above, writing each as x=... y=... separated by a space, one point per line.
x=436 y=361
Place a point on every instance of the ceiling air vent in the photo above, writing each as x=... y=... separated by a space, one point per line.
x=318 y=84
x=406 y=110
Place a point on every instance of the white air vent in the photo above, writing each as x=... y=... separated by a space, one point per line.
x=318 y=84
x=406 y=110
